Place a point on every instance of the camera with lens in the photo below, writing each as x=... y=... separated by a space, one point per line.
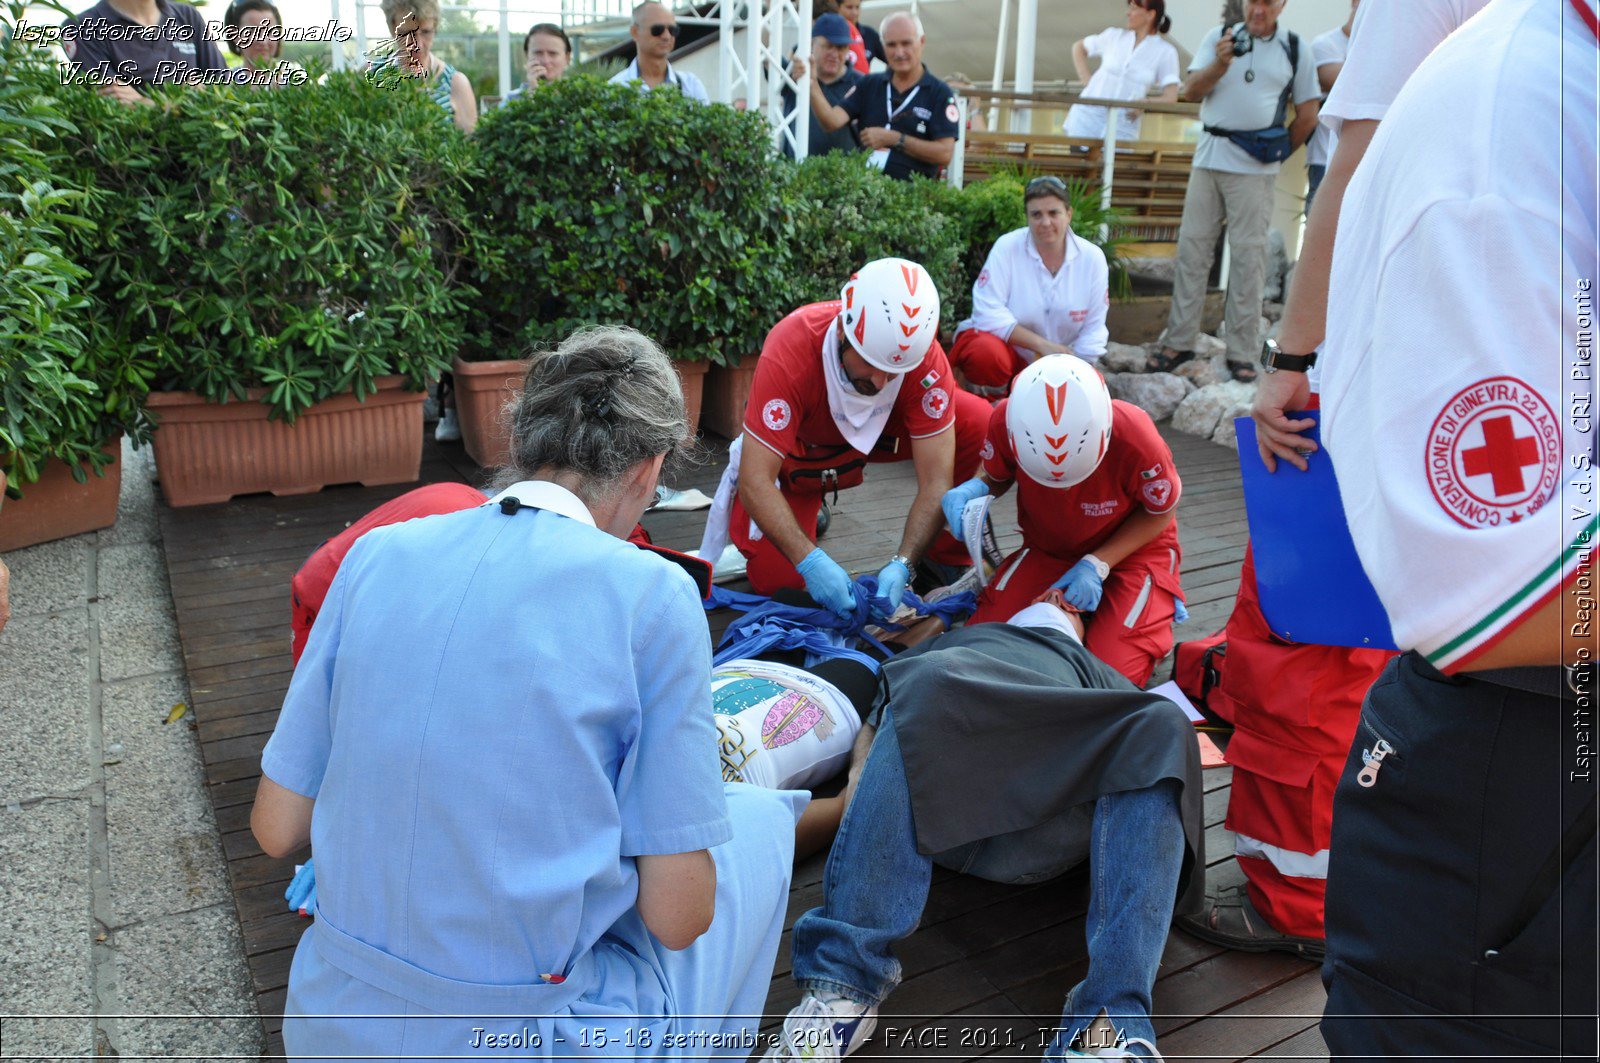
x=1242 y=41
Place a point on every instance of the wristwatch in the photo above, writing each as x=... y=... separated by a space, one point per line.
x=901 y=142
x=903 y=559
x=1273 y=359
x=1101 y=569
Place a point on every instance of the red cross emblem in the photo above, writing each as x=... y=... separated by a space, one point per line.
x=934 y=403
x=1493 y=454
x=1503 y=456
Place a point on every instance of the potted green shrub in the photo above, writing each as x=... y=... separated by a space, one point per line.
x=62 y=411
x=285 y=263
x=605 y=204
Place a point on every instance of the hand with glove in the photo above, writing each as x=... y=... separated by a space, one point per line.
x=829 y=585
x=302 y=891
x=955 y=500
x=892 y=581
x=1082 y=584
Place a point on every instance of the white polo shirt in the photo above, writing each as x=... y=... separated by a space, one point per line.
x=1457 y=411
x=1015 y=288
x=1130 y=69
x=1330 y=47
x=1389 y=40
x=687 y=83
x=1242 y=105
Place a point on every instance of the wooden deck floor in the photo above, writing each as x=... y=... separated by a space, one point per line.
x=990 y=965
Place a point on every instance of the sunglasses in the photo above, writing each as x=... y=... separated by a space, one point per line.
x=664 y=27
x=1045 y=184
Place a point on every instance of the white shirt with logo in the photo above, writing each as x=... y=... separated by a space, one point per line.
x=1067 y=307
x=1130 y=69
x=780 y=727
x=1457 y=411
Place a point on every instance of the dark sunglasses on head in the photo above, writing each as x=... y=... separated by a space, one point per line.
x=1045 y=184
x=663 y=27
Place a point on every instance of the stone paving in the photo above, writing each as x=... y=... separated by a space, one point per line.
x=116 y=919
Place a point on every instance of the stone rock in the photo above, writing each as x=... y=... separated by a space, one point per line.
x=1160 y=269
x=1203 y=372
x=1208 y=346
x=1124 y=358
x=1157 y=394
x=1201 y=412
x=1226 y=433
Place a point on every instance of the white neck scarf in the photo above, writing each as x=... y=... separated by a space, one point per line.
x=860 y=417
x=1044 y=615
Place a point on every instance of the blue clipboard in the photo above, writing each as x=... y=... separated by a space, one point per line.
x=1312 y=586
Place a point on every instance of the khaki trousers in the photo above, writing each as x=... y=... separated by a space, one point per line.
x=1242 y=202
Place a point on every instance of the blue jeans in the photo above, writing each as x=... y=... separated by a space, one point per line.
x=876 y=886
x=1315 y=172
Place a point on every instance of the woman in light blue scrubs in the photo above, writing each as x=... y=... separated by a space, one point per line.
x=498 y=744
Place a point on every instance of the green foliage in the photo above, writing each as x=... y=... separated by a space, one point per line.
x=847 y=214
x=306 y=239
x=56 y=399
x=602 y=203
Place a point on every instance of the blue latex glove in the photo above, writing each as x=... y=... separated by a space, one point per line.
x=1180 y=612
x=1081 y=586
x=955 y=500
x=892 y=582
x=302 y=891
x=828 y=584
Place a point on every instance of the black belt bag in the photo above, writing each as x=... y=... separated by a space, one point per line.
x=1264 y=145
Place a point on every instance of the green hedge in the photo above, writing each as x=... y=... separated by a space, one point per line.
x=58 y=399
x=309 y=239
x=306 y=239
x=607 y=204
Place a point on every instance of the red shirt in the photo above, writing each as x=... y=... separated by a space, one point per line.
x=788 y=408
x=1073 y=521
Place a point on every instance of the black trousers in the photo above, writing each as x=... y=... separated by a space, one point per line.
x=1462 y=872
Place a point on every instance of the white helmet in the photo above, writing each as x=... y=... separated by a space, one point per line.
x=1059 y=420
x=890 y=313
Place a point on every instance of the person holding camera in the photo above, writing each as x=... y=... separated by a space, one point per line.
x=1244 y=77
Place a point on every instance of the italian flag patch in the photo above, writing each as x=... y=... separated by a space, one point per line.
x=931 y=379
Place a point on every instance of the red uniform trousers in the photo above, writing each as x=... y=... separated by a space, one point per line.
x=1294 y=709
x=985 y=359
x=769 y=571
x=1131 y=630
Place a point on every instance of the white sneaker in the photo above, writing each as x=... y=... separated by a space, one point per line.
x=1103 y=1032
x=823 y=1026
x=448 y=430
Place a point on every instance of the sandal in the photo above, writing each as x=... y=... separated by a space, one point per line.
x=1229 y=919
x=1166 y=360
x=1243 y=372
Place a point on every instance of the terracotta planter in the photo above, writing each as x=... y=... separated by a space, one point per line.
x=693 y=376
x=482 y=391
x=1142 y=318
x=210 y=451
x=727 y=392
x=484 y=388
x=58 y=505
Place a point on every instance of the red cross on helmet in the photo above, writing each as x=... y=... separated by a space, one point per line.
x=1059 y=420
x=890 y=313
